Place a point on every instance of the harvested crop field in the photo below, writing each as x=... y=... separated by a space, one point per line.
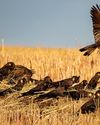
x=58 y=64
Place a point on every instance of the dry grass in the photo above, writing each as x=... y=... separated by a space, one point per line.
x=58 y=64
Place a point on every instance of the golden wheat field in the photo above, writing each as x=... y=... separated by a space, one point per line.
x=58 y=64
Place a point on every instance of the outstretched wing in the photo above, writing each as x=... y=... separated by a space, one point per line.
x=95 y=14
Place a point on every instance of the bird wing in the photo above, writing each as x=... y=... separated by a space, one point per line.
x=95 y=15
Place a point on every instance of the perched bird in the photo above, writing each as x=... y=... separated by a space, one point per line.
x=6 y=70
x=47 y=79
x=66 y=83
x=18 y=73
x=77 y=94
x=42 y=85
x=13 y=73
x=88 y=107
x=17 y=87
x=80 y=85
x=92 y=104
x=94 y=81
x=55 y=93
x=47 y=83
x=95 y=15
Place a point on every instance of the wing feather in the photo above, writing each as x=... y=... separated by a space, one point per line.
x=95 y=15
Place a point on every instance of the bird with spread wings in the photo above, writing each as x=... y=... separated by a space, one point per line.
x=95 y=15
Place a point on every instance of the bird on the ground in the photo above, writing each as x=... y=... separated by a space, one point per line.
x=66 y=83
x=79 y=86
x=6 y=70
x=18 y=73
x=42 y=85
x=94 y=81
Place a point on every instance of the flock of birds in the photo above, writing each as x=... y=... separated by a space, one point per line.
x=17 y=76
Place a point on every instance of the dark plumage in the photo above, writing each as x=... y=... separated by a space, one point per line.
x=17 y=87
x=13 y=73
x=74 y=94
x=85 y=93
x=80 y=86
x=18 y=73
x=66 y=83
x=77 y=94
x=47 y=83
x=42 y=85
x=6 y=92
x=48 y=80
x=88 y=107
x=55 y=93
x=6 y=70
x=94 y=81
x=92 y=104
x=95 y=15
x=20 y=84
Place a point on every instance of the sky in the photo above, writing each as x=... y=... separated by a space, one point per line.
x=46 y=23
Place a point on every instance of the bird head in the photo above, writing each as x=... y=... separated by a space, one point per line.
x=76 y=79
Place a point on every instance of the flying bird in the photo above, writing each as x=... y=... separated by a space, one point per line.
x=95 y=15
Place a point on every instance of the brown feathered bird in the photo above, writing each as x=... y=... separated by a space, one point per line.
x=92 y=104
x=17 y=87
x=95 y=15
x=6 y=70
x=94 y=81
x=66 y=83
x=20 y=72
x=55 y=93
x=42 y=85
x=80 y=85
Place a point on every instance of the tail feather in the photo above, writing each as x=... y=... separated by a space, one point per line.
x=88 y=52
x=89 y=49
